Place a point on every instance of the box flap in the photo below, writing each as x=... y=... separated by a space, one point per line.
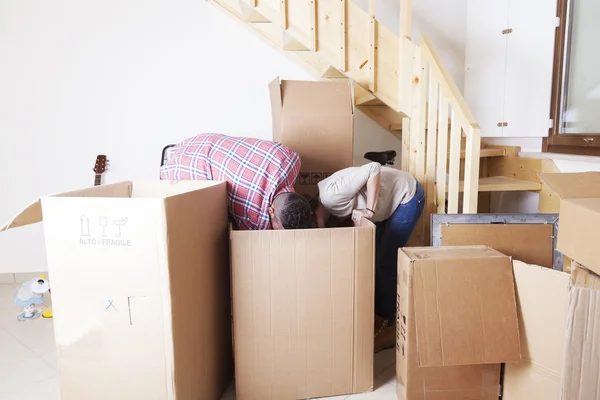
x=451 y=252
x=32 y=214
x=465 y=308
x=578 y=234
x=574 y=185
x=542 y=296
x=276 y=105
x=582 y=346
x=318 y=98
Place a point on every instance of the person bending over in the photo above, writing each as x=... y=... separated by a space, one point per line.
x=392 y=199
x=260 y=177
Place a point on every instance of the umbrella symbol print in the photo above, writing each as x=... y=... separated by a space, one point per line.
x=120 y=223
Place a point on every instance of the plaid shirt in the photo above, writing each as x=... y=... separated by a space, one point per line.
x=255 y=170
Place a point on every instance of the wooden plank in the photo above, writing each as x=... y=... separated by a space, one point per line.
x=486 y=153
x=313 y=25
x=430 y=169
x=283 y=14
x=343 y=35
x=454 y=173
x=405 y=143
x=406 y=60
x=432 y=127
x=442 y=155
x=471 y=182
x=405 y=19
x=372 y=47
x=505 y=184
x=419 y=118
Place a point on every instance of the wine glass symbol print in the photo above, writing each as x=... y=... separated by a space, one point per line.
x=103 y=223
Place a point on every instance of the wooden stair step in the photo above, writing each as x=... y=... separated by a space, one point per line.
x=484 y=153
x=505 y=184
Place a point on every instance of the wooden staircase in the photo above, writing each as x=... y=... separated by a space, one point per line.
x=402 y=86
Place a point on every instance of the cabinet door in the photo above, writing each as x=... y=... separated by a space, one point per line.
x=485 y=62
x=529 y=65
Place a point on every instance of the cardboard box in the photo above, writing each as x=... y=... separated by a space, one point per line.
x=303 y=312
x=582 y=347
x=542 y=298
x=578 y=234
x=315 y=119
x=140 y=289
x=457 y=321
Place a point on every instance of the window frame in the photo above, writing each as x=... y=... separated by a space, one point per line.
x=556 y=142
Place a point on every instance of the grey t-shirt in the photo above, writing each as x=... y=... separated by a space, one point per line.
x=346 y=190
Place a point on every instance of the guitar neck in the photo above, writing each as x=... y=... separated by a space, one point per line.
x=98 y=180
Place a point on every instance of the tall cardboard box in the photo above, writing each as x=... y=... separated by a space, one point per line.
x=303 y=312
x=579 y=226
x=140 y=289
x=542 y=299
x=315 y=119
x=457 y=321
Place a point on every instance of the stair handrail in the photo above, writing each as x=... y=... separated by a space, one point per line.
x=440 y=153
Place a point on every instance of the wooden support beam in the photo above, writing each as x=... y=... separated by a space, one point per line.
x=372 y=47
x=432 y=128
x=313 y=25
x=405 y=143
x=454 y=173
x=283 y=14
x=442 y=154
x=343 y=35
x=405 y=19
x=430 y=170
x=472 y=161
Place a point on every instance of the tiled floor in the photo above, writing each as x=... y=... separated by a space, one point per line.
x=28 y=368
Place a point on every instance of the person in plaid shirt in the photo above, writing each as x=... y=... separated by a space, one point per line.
x=260 y=178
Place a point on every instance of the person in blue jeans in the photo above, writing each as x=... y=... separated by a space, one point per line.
x=394 y=201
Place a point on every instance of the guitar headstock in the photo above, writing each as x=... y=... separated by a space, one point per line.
x=101 y=163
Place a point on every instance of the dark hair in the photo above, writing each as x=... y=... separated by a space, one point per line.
x=295 y=212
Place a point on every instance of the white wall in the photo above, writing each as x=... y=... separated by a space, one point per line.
x=123 y=78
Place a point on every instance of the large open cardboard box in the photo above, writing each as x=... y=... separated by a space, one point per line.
x=457 y=321
x=315 y=119
x=139 y=275
x=578 y=234
x=303 y=312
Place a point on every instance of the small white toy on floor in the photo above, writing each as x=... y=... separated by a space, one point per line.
x=29 y=295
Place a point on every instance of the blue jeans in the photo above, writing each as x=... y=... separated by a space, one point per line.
x=392 y=234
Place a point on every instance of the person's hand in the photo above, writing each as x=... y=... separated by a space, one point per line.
x=358 y=215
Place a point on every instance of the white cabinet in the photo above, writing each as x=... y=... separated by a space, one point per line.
x=509 y=63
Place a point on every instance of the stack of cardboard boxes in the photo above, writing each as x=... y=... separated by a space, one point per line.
x=142 y=295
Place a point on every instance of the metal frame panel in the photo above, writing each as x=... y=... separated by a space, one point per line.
x=437 y=220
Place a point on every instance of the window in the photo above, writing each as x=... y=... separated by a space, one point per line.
x=576 y=82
